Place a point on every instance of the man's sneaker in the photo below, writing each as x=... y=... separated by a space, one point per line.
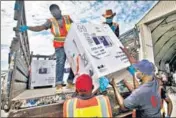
x=70 y=86
x=59 y=89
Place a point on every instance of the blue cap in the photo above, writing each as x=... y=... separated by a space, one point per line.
x=145 y=67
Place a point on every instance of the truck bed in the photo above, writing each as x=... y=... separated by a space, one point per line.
x=53 y=109
x=42 y=92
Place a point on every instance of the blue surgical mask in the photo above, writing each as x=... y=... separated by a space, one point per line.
x=109 y=20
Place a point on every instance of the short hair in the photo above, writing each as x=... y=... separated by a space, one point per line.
x=53 y=6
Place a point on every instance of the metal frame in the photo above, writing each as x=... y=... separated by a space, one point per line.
x=19 y=57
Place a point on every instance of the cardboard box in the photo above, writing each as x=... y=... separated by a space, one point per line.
x=94 y=49
x=43 y=73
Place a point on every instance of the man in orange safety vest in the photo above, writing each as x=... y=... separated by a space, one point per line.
x=59 y=25
x=85 y=104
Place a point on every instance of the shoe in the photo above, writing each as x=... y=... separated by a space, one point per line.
x=59 y=89
x=70 y=86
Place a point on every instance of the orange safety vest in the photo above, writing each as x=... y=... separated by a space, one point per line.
x=98 y=106
x=60 y=32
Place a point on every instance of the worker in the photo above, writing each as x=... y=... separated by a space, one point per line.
x=166 y=98
x=163 y=94
x=109 y=15
x=85 y=104
x=146 y=98
x=59 y=25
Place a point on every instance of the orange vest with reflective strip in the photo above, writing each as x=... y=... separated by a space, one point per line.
x=98 y=106
x=60 y=32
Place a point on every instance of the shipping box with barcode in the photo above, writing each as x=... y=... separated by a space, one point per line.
x=94 y=49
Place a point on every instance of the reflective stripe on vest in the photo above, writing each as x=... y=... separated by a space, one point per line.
x=67 y=22
x=58 y=32
x=71 y=107
x=61 y=39
x=98 y=106
x=104 y=109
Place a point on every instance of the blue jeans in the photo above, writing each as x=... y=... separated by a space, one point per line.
x=60 y=63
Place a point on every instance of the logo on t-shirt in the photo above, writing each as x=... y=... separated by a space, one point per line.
x=154 y=101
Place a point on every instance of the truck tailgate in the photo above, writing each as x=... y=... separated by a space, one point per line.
x=36 y=93
x=40 y=97
x=53 y=110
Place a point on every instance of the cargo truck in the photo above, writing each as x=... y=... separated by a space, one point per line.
x=152 y=38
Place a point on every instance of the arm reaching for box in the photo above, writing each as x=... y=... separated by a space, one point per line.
x=131 y=102
x=131 y=59
x=118 y=97
x=131 y=69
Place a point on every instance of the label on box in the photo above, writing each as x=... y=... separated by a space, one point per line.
x=98 y=51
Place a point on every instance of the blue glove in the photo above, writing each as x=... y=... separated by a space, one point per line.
x=23 y=28
x=132 y=70
x=104 y=82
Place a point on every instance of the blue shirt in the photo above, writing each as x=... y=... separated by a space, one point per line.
x=146 y=100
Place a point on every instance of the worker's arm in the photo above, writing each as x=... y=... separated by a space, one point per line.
x=118 y=97
x=136 y=83
x=131 y=59
x=131 y=102
x=128 y=85
x=45 y=26
x=169 y=106
x=37 y=28
x=167 y=99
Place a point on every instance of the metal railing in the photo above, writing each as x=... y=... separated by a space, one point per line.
x=19 y=57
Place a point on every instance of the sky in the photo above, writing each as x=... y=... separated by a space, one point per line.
x=128 y=13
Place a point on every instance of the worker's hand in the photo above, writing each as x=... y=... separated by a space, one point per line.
x=132 y=70
x=112 y=83
x=103 y=82
x=131 y=59
x=23 y=28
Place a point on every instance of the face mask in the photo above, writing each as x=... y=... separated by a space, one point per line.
x=139 y=78
x=56 y=13
x=109 y=20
